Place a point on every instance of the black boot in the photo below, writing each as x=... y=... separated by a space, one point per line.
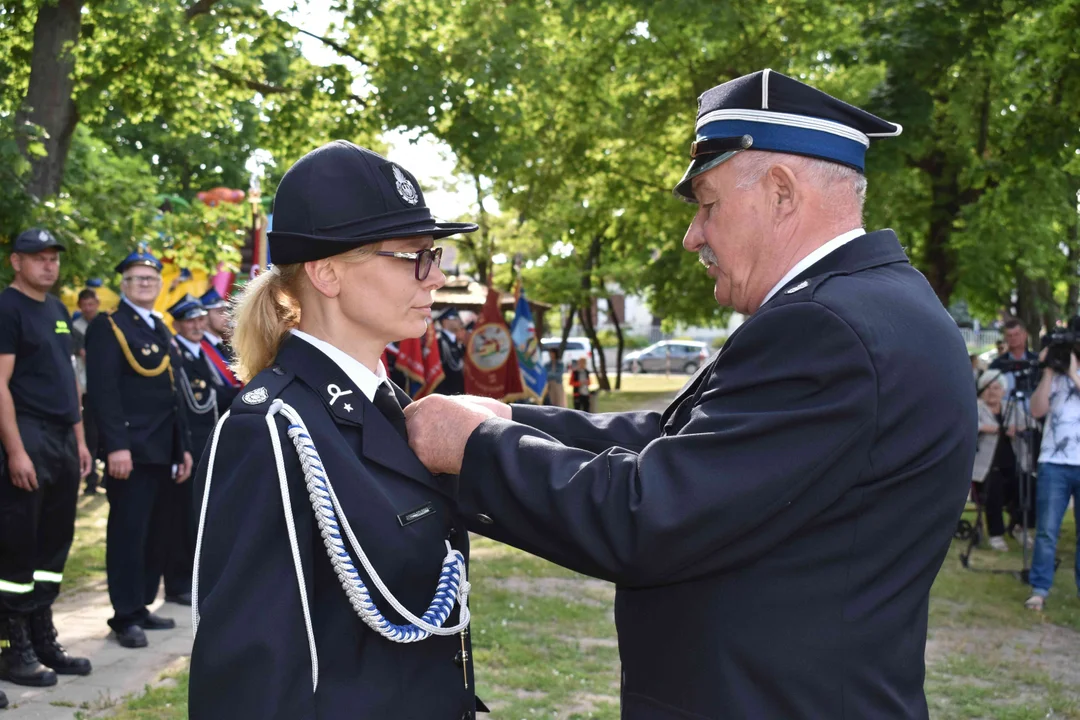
x=18 y=661
x=50 y=652
x=3 y=700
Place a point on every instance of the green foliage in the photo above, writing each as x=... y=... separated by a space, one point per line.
x=630 y=341
x=108 y=205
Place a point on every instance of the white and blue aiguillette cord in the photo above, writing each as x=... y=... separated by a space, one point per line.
x=453 y=583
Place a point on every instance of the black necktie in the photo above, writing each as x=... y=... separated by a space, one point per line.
x=387 y=403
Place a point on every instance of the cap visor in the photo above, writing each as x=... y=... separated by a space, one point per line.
x=684 y=190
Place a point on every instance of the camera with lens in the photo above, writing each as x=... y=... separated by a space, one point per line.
x=1060 y=345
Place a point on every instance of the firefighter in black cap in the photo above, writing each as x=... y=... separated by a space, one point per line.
x=42 y=434
x=206 y=396
x=142 y=434
x=773 y=533
x=452 y=352
x=285 y=631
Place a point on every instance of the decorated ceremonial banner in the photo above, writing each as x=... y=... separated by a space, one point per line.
x=418 y=359
x=491 y=367
x=527 y=347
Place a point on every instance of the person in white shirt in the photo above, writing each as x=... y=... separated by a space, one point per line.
x=1057 y=398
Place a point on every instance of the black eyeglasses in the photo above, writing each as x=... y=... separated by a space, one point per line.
x=425 y=259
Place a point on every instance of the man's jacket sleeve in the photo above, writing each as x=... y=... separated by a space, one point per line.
x=781 y=430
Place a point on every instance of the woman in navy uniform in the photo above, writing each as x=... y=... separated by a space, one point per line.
x=291 y=621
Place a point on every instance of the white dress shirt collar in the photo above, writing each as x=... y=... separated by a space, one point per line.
x=362 y=377
x=836 y=243
x=193 y=347
x=146 y=315
x=214 y=339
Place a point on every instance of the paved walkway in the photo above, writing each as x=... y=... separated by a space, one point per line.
x=118 y=672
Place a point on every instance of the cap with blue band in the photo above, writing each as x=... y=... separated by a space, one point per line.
x=772 y=112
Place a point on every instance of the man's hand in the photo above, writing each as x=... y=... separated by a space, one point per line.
x=86 y=463
x=439 y=426
x=23 y=475
x=184 y=472
x=119 y=464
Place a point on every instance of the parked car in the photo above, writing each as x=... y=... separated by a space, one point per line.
x=676 y=356
x=576 y=347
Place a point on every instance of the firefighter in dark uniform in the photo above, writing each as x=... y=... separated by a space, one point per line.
x=284 y=632
x=775 y=532
x=217 y=323
x=131 y=366
x=451 y=353
x=206 y=396
x=42 y=460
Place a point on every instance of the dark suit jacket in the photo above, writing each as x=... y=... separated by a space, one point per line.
x=133 y=412
x=775 y=532
x=251 y=660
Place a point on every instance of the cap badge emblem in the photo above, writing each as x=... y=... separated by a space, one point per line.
x=404 y=186
x=256 y=396
x=43 y=236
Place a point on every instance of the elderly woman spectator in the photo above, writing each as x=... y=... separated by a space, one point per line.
x=996 y=457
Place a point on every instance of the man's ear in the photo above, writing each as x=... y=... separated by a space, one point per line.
x=784 y=195
x=324 y=276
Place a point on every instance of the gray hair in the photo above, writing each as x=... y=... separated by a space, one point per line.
x=843 y=187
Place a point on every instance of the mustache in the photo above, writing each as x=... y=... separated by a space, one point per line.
x=707 y=257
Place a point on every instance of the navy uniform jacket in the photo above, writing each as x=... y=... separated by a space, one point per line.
x=204 y=379
x=251 y=660
x=775 y=532
x=142 y=414
x=452 y=355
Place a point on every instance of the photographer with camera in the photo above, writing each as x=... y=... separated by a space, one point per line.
x=1057 y=398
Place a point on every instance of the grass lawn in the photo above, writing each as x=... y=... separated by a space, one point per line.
x=639 y=391
x=86 y=561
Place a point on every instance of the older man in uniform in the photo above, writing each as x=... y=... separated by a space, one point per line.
x=42 y=433
x=775 y=532
x=131 y=388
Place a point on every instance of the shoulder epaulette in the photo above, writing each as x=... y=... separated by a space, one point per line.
x=262 y=390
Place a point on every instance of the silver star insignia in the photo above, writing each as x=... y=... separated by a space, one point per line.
x=348 y=407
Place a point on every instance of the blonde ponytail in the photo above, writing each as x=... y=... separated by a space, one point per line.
x=263 y=313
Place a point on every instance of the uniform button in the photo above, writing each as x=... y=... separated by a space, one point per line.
x=459 y=659
x=485 y=519
x=452 y=534
x=277 y=370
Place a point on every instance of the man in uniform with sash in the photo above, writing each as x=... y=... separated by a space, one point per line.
x=143 y=437
x=215 y=330
x=206 y=396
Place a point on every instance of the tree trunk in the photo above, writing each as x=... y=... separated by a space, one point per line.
x=1027 y=305
x=482 y=258
x=568 y=323
x=1072 y=277
x=944 y=208
x=49 y=101
x=619 y=335
x=585 y=311
x=598 y=351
